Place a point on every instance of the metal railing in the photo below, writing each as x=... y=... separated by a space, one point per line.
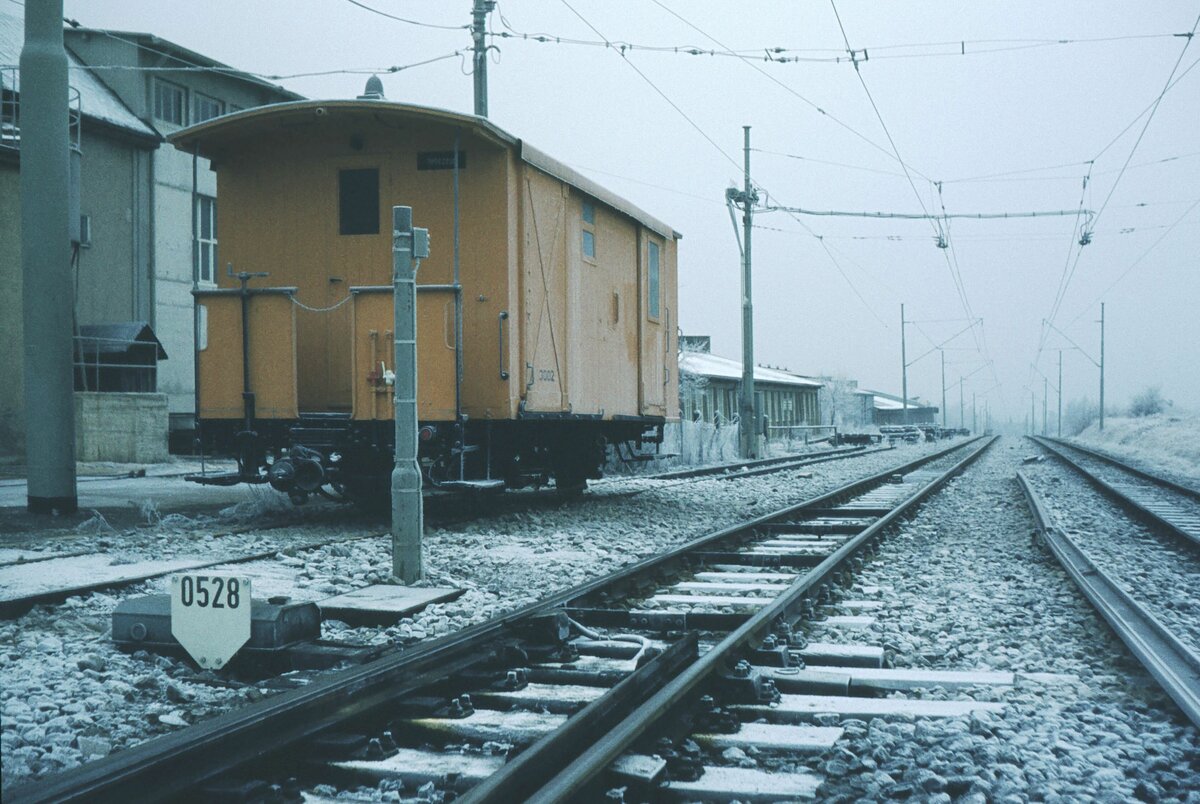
x=10 y=110
x=94 y=353
x=810 y=432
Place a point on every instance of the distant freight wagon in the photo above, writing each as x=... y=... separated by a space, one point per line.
x=546 y=310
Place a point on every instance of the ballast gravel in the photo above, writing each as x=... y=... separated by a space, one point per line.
x=67 y=695
x=965 y=588
x=1159 y=571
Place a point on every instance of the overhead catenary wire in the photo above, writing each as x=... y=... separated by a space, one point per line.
x=790 y=55
x=790 y=90
x=1054 y=213
x=1149 y=114
x=660 y=93
x=190 y=66
x=955 y=274
x=729 y=158
x=1137 y=261
x=407 y=21
x=263 y=76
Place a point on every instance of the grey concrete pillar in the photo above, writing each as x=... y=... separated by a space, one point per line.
x=48 y=293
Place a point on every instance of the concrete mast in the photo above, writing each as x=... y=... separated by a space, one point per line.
x=903 y=369
x=409 y=246
x=748 y=420
x=943 y=354
x=1101 y=366
x=48 y=294
x=479 y=14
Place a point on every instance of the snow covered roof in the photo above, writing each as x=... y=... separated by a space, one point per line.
x=96 y=100
x=890 y=402
x=709 y=365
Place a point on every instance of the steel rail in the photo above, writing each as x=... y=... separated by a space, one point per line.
x=166 y=767
x=1146 y=514
x=740 y=467
x=1120 y=464
x=571 y=781
x=1173 y=664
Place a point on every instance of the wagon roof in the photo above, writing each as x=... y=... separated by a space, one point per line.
x=207 y=137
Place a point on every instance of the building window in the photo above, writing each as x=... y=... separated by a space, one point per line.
x=169 y=103
x=652 y=289
x=206 y=238
x=205 y=108
x=589 y=230
x=358 y=201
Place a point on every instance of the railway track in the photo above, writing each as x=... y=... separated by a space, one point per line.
x=442 y=511
x=616 y=657
x=743 y=468
x=1156 y=500
x=1174 y=664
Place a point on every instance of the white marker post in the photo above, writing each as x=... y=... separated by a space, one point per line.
x=210 y=616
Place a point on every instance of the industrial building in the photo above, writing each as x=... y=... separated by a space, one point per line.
x=144 y=237
x=709 y=387
x=884 y=409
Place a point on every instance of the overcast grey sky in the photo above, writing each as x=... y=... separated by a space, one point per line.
x=1017 y=103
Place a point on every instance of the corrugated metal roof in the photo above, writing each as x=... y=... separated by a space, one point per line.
x=709 y=365
x=97 y=101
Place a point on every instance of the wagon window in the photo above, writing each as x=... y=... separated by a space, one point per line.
x=358 y=201
x=652 y=290
x=589 y=230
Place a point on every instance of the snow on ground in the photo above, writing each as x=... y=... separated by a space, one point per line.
x=66 y=693
x=1168 y=443
x=969 y=591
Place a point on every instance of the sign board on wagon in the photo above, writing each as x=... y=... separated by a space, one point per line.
x=210 y=616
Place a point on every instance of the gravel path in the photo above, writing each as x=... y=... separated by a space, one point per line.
x=970 y=591
x=1159 y=571
x=67 y=694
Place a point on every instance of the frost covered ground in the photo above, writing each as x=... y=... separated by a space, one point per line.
x=66 y=694
x=1166 y=442
x=970 y=591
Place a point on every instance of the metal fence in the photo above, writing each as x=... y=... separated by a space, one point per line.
x=793 y=433
x=115 y=364
x=10 y=110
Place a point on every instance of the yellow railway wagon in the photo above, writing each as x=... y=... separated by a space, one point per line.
x=546 y=309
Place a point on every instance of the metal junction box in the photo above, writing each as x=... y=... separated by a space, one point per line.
x=145 y=623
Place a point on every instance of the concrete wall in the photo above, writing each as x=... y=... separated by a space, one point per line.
x=164 y=299
x=123 y=428
x=107 y=269
x=12 y=407
x=173 y=269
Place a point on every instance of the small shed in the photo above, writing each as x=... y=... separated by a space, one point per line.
x=119 y=357
x=890 y=409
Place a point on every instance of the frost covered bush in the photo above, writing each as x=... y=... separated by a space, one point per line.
x=1079 y=416
x=1148 y=402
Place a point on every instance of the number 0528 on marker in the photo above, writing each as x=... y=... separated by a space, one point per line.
x=210 y=616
